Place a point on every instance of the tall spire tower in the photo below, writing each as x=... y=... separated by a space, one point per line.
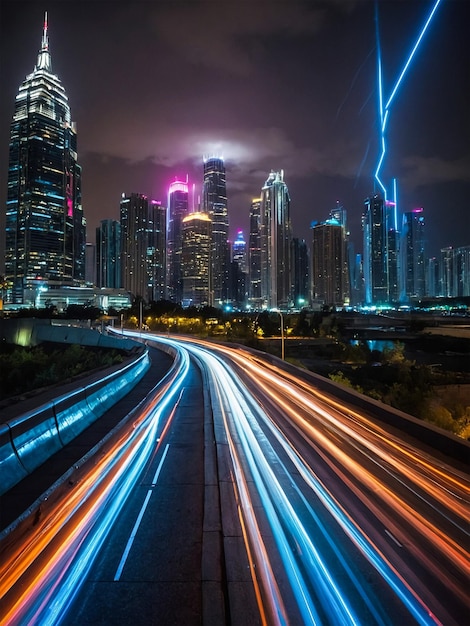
x=45 y=227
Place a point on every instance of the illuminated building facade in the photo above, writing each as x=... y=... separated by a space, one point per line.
x=300 y=273
x=453 y=272
x=45 y=226
x=156 y=251
x=137 y=237
x=215 y=204
x=462 y=271
x=413 y=255
x=239 y=252
x=238 y=273
x=275 y=243
x=254 y=255
x=381 y=252
x=108 y=254
x=330 y=284
x=196 y=259
x=178 y=209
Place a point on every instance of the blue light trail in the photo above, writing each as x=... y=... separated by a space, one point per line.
x=384 y=111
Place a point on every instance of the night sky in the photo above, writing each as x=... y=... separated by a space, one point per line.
x=287 y=84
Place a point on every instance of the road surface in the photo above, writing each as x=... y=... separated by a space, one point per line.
x=241 y=494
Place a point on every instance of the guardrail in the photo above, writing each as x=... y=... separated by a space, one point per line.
x=28 y=440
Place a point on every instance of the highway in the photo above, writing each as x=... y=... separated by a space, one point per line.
x=241 y=493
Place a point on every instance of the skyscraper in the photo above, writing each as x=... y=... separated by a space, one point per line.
x=178 y=209
x=254 y=255
x=381 y=252
x=135 y=229
x=452 y=270
x=413 y=255
x=238 y=273
x=45 y=226
x=90 y=263
x=330 y=283
x=300 y=273
x=275 y=240
x=215 y=204
x=239 y=252
x=108 y=254
x=156 y=251
x=195 y=259
x=462 y=271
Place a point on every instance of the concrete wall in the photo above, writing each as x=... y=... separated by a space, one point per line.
x=29 y=439
x=32 y=332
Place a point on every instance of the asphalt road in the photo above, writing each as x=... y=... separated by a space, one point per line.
x=243 y=494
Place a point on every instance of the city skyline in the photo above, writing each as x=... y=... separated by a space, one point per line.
x=317 y=122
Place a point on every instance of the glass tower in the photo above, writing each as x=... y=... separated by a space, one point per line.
x=254 y=255
x=329 y=264
x=275 y=240
x=239 y=252
x=178 y=209
x=381 y=252
x=195 y=259
x=134 y=244
x=413 y=254
x=156 y=251
x=108 y=254
x=300 y=273
x=215 y=204
x=45 y=226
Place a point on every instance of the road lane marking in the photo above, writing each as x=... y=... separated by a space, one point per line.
x=157 y=473
x=130 y=541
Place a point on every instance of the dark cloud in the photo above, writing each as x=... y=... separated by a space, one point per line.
x=286 y=84
x=424 y=171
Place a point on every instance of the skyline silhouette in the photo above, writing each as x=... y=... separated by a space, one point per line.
x=153 y=87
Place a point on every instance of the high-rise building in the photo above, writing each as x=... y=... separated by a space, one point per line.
x=432 y=278
x=446 y=272
x=136 y=227
x=381 y=252
x=393 y=265
x=196 y=259
x=462 y=271
x=108 y=254
x=330 y=282
x=215 y=204
x=275 y=243
x=156 y=251
x=453 y=271
x=45 y=226
x=239 y=252
x=300 y=273
x=413 y=255
x=90 y=263
x=238 y=273
x=178 y=209
x=254 y=255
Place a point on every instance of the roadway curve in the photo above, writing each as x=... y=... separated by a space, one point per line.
x=339 y=521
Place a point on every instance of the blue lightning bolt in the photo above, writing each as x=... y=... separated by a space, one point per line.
x=384 y=111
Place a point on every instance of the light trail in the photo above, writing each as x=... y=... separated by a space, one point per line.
x=397 y=464
x=261 y=457
x=340 y=519
x=40 y=578
x=384 y=111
